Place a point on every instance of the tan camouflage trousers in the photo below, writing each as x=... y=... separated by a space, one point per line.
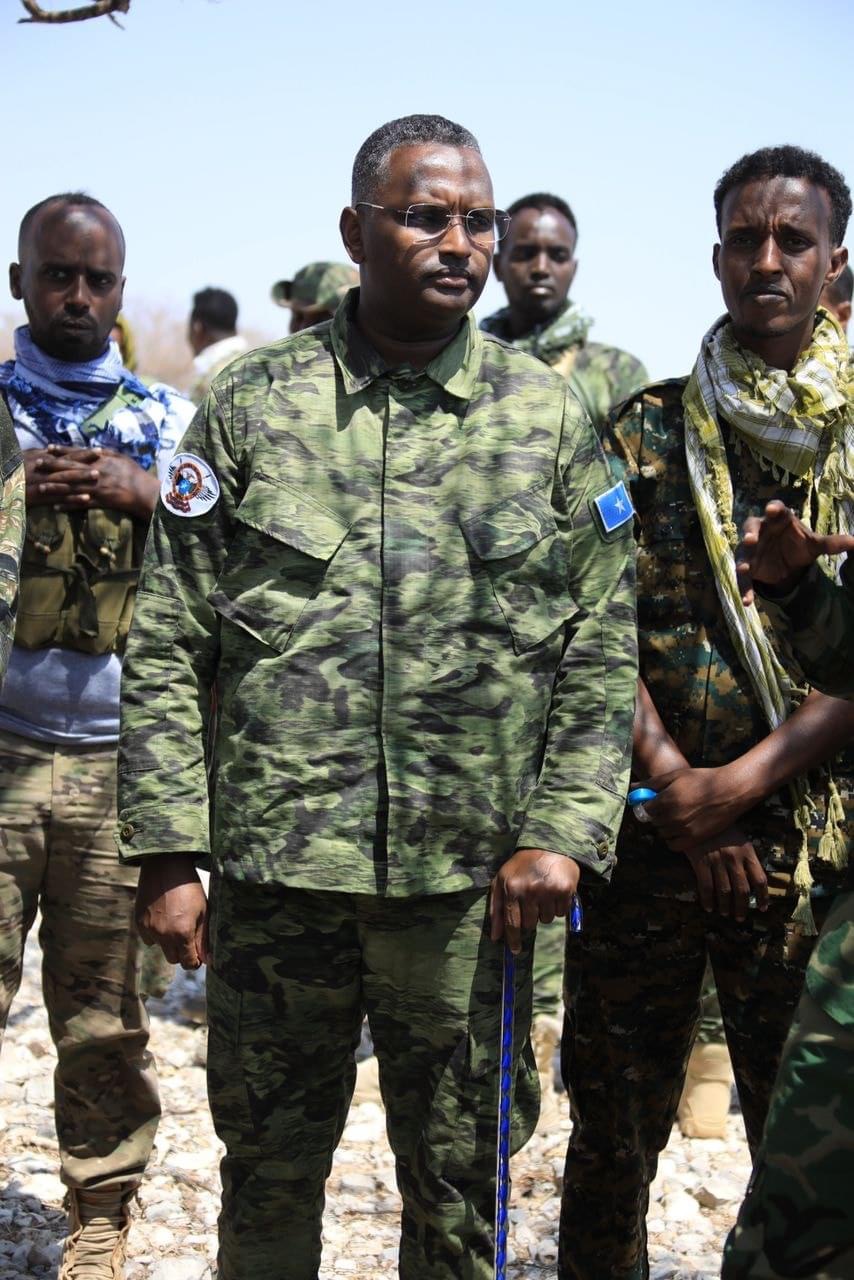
x=634 y=986
x=58 y=855
x=292 y=974
x=797 y=1219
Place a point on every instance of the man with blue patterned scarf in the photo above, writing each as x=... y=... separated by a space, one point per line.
x=95 y=443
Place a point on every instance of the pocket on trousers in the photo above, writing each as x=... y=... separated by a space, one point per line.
x=227 y=1093
x=461 y=1133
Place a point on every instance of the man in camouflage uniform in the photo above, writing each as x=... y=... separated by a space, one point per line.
x=314 y=293
x=93 y=437
x=726 y=824
x=798 y=1214
x=393 y=548
x=12 y=521
x=536 y=263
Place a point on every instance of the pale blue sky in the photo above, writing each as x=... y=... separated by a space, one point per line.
x=221 y=132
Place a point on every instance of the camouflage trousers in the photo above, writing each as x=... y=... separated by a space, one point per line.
x=549 y=947
x=798 y=1216
x=58 y=855
x=292 y=973
x=633 y=994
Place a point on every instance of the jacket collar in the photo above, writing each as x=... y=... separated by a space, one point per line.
x=456 y=368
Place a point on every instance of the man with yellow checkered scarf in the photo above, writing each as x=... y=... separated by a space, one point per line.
x=746 y=845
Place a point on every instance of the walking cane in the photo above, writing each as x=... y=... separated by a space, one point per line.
x=505 y=1097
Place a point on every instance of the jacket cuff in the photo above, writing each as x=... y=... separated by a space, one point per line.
x=593 y=851
x=141 y=834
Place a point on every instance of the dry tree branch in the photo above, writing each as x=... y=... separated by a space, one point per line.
x=98 y=9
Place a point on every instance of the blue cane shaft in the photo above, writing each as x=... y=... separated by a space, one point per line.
x=505 y=1106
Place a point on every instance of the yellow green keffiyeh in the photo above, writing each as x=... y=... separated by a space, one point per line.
x=801 y=425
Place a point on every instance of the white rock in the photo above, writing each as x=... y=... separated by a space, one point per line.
x=358 y=1182
x=716 y=1190
x=655 y=1226
x=19 y=1065
x=679 y=1207
x=45 y=1187
x=38 y=1091
x=161 y=1236
x=369 y=1132
x=547 y=1251
x=187 y=1267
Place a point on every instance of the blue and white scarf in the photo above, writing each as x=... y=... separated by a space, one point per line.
x=54 y=398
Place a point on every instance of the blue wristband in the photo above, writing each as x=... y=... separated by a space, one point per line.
x=640 y=795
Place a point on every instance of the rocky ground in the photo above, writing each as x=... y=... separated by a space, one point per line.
x=693 y=1205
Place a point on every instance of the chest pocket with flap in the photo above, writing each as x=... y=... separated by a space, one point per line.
x=277 y=560
x=518 y=545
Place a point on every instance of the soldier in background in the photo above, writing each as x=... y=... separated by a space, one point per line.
x=393 y=545
x=837 y=297
x=734 y=751
x=95 y=441
x=314 y=293
x=212 y=334
x=797 y=1218
x=536 y=263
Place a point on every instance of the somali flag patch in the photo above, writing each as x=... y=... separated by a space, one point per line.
x=613 y=508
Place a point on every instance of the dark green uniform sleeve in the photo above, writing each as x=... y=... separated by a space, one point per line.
x=817 y=619
x=13 y=512
x=578 y=804
x=171 y=661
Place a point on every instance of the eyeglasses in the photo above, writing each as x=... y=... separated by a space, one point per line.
x=430 y=221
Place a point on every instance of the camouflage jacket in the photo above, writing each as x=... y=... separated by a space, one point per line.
x=690 y=666
x=422 y=643
x=600 y=377
x=817 y=621
x=13 y=515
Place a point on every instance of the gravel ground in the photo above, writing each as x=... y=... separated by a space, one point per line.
x=694 y=1198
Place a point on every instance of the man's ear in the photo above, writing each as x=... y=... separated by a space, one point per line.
x=350 y=227
x=496 y=266
x=15 y=280
x=716 y=253
x=843 y=312
x=572 y=274
x=838 y=262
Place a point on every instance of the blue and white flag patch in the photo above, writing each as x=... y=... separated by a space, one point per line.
x=614 y=507
x=189 y=487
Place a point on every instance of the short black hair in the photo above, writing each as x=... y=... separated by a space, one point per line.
x=372 y=156
x=544 y=200
x=790 y=162
x=67 y=200
x=216 y=308
x=842 y=289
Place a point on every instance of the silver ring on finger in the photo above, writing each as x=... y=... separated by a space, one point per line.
x=639 y=810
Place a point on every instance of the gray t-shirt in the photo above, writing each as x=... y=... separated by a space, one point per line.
x=59 y=695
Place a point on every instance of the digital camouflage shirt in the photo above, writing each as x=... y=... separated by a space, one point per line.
x=702 y=693
x=421 y=639
x=13 y=515
x=600 y=377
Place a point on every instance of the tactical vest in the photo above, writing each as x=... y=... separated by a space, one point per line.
x=79 y=569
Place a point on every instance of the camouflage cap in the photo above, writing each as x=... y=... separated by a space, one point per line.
x=319 y=285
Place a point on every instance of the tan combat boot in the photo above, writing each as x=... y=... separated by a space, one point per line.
x=545 y=1038
x=98 y=1226
x=704 y=1105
